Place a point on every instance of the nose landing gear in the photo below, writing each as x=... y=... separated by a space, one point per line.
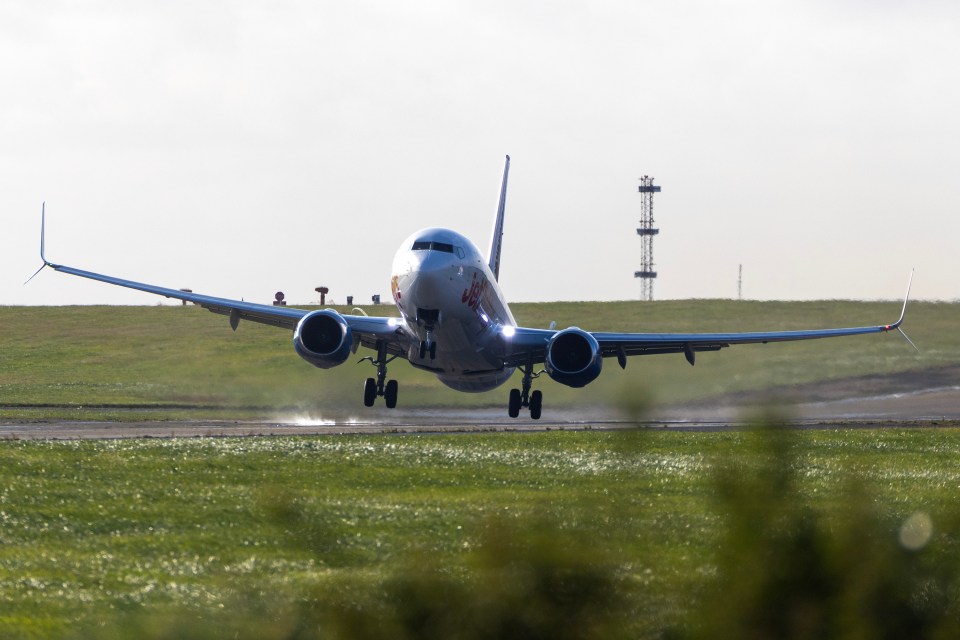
x=428 y=346
x=428 y=319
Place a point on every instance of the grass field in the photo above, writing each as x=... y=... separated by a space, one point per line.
x=562 y=534
x=123 y=362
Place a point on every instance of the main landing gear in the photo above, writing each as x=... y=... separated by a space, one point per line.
x=524 y=398
x=380 y=387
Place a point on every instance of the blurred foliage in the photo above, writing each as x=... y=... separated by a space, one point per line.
x=786 y=569
x=532 y=582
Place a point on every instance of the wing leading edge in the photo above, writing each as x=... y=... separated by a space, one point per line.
x=285 y=317
x=633 y=344
x=530 y=345
x=368 y=330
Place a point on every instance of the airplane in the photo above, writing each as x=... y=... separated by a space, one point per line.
x=455 y=323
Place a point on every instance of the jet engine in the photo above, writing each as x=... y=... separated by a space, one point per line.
x=323 y=338
x=573 y=357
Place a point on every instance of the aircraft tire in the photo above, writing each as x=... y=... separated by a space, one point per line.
x=390 y=394
x=514 y=407
x=433 y=350
x=536 y=404
x=369 y=392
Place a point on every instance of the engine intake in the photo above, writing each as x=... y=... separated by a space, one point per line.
x=323 y=338
x=573 y=357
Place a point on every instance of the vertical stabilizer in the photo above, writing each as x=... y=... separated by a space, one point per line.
x=496 y=242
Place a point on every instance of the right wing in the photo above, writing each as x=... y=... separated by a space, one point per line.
x=368 y=330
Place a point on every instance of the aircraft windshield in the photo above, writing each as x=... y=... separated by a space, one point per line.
x=426 y=245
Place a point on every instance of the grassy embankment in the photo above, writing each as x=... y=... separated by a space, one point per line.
x=559 y=534
x=169 y=362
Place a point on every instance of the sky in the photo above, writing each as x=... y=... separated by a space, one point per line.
x=240 y=148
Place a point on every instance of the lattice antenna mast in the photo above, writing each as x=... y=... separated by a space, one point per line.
x=646 y=231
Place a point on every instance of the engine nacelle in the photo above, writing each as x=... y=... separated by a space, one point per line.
x=323 y=338
x=573 y=358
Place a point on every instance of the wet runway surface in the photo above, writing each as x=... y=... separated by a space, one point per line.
x=376 y=420
x=938 y=406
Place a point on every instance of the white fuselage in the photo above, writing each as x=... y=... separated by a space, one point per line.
x=447 y=295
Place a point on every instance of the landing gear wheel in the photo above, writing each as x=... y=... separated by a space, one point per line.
x=515 y=402
x=369 y=392
x=379 y=387
x=536 y=404
x=390 y=394
x=520 y=398
x=426 y=346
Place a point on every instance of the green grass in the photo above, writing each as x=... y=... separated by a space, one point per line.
x=126 y=362
x=350 y=536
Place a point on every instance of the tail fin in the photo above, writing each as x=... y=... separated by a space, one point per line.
x=496 y=241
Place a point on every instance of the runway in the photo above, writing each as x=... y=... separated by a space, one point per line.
x=905 y=407
x=928 y=397
x=370 y=421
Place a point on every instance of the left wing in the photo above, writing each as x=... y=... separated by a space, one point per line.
x=529 y=346
x=622 y=345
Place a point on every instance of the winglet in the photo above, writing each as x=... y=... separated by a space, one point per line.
x=906 y=299
x=496 y=242
x=43 y=222
x=43 y=232
x=903 y=313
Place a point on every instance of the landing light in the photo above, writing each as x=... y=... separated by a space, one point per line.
x=508 y=331
x=393 y=322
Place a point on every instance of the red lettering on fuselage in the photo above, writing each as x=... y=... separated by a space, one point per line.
x=471 y=297
x=395 y=287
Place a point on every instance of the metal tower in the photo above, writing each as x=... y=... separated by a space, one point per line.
x=646 y=231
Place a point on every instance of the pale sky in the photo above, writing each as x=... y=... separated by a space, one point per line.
x=239 y=148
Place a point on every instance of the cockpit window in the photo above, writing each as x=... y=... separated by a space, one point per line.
x=425 y=245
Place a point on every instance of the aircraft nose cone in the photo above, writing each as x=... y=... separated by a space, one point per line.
x=427 y=291
x=431 y=282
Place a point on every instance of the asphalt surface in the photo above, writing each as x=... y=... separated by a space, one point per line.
x=928 y=397
x=826 y=405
